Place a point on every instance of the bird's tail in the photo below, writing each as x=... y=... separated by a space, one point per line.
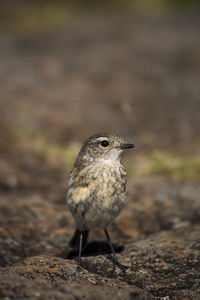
x=75 y=240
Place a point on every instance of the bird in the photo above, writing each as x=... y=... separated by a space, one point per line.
x=97 y=188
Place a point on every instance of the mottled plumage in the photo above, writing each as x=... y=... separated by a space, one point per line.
x=97 y=186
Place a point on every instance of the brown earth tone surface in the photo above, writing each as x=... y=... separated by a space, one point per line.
x=137 y=77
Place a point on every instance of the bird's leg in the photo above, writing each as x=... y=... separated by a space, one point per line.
x=115 y=260
x=111 y=247
x=80 y=251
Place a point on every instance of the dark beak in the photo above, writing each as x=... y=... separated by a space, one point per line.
x=127 y=146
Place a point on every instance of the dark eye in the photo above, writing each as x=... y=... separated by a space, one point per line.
x=104 y=143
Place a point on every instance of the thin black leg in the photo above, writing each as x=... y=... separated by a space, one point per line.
x=111 y=247
x=80 y=250
x=115 y=260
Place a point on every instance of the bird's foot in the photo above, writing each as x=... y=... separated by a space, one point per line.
x=79 y=265
x=118 y=264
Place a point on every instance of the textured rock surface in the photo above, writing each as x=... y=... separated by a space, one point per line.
x=162 y=255
x=163 y=265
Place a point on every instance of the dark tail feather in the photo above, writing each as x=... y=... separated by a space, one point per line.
x=75 y=240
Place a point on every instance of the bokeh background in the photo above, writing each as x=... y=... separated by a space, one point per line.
x=72 y=68
x=69 y=69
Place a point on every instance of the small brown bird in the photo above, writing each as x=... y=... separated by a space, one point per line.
x=97 y=187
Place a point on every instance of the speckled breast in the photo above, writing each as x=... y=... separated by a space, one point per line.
x=98 y=195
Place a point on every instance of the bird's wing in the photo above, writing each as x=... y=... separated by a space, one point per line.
x=81 y=193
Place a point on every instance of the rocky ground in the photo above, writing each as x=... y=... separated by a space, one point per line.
x=138 y=77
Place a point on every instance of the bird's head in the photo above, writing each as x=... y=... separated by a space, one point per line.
x=103 y=147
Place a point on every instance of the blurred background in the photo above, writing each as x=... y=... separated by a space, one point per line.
x=73 y=68
x=69 y=69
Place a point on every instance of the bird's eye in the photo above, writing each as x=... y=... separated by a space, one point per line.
x=104 y=144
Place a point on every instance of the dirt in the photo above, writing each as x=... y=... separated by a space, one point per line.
x=137 y=77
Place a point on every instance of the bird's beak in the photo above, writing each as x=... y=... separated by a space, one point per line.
x=127 y=146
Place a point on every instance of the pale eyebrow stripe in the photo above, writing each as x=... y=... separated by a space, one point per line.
x=102 y=138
